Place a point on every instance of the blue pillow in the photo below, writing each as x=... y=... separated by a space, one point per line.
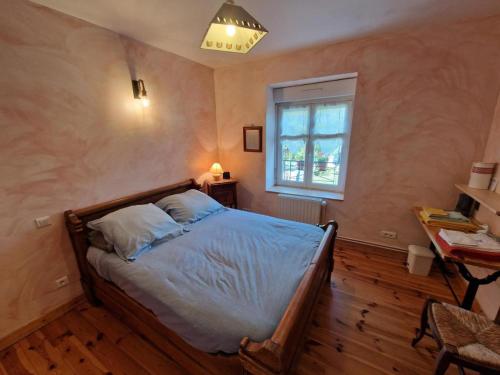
x=133 y=229
x=190 y=206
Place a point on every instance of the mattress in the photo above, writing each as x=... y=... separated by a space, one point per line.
x=231 y=275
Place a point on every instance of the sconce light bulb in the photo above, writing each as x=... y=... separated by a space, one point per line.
x=145 y=102
x=230 y=30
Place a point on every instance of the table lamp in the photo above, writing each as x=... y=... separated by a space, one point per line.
x=216 y=171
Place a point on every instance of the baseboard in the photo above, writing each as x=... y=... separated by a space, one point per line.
x=38 y=323
x=374 y=244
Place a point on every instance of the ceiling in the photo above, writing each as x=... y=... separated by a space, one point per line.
x=178 y=26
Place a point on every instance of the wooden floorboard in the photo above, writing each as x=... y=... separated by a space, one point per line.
x=363 y=325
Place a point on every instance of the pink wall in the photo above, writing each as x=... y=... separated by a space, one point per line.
x=423 y=111
x=72 y=135
x=492 y=152
x=489 y=296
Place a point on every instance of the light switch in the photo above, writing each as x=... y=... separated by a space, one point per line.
x=43 y=221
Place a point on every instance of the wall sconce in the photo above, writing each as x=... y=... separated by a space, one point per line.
x=140 y=92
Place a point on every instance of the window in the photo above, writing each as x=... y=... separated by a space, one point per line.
x=312 y=126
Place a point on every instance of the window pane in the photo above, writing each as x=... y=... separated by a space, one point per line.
x=293 y=160
x=294 y=120
x=327 y=160
x=330 y=118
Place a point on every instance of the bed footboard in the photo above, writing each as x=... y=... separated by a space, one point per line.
x=277 y=355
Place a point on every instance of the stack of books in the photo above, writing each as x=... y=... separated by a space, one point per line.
x=478 y=245
x=437 y=217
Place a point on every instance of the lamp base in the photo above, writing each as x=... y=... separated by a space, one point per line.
x=216 y=177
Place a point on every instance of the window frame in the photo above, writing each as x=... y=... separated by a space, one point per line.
x=310 y=137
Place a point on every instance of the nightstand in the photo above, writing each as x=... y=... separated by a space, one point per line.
x=224 y=192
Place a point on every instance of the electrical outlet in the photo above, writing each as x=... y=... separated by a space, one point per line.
x=42 y=221
x=388 y=234
x=62 y=281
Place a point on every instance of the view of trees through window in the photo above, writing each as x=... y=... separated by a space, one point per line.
x=311 y=141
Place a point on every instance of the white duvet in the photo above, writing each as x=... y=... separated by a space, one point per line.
x=232 y=275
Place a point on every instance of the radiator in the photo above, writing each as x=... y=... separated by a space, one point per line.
x=298 y=208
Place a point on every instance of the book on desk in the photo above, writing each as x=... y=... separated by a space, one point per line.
x=478 y=245
x=447 y=219
x=456 y=234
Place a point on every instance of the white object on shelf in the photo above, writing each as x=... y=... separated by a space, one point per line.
x=419 y=260
x=480 y=175
x=493 y=184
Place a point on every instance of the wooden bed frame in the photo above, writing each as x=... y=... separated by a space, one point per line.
x=273 y=356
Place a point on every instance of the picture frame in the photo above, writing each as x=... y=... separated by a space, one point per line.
x=252 y=138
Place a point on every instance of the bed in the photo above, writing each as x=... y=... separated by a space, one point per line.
x=228 y=276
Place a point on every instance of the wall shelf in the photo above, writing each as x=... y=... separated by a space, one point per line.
x=488 y=199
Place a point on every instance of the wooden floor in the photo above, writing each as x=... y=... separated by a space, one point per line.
x=363 y=325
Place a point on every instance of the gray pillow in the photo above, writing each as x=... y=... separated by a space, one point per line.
x=133 y=229
x=190 y=206
x=97 y=240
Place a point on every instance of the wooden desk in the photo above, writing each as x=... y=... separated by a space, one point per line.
x=461 y=263
x=432 y=231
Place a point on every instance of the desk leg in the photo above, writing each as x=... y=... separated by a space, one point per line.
x=470 y=295
x=474 y=283
x=440 y=262
x=444 y=271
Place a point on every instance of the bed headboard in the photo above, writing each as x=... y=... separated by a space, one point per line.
x=76 y=221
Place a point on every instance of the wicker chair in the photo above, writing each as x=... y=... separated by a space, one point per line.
x=465 y=338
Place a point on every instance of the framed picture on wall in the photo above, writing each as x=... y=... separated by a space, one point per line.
x=252 y=138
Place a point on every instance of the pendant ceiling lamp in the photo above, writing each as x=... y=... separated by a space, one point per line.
x=233 y=29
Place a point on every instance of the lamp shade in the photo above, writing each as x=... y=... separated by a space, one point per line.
x=216 y=169
x=140 y=91
x=233 y=29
